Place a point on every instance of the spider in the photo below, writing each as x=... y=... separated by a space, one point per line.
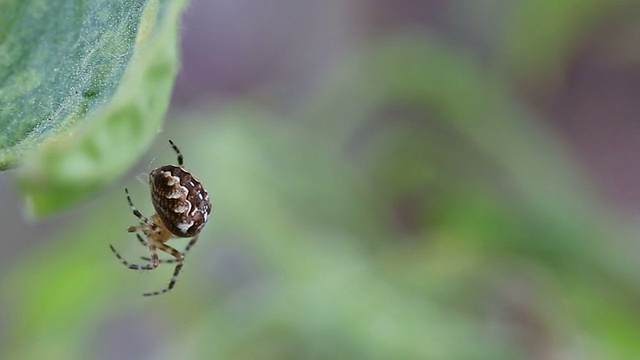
x=182 y=207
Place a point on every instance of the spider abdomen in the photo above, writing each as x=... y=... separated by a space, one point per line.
x=180 y=200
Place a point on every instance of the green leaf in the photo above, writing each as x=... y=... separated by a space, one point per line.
x=84 y=88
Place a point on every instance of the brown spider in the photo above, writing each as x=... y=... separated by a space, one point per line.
x=182 y=207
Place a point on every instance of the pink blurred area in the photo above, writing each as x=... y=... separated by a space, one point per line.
x=236 y=48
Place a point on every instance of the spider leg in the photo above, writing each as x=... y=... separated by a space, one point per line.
x=184 y=252
x=143 y=219
x=153 y=265
x=180 y=261
x=162 y=261
x=143 y=242
x=175 y=148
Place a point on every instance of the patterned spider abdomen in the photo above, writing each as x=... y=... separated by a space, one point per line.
x=180 y=200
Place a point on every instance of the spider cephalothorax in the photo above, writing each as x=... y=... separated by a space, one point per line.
x=182 y=208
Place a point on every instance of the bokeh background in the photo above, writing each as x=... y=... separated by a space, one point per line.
x=390 y=180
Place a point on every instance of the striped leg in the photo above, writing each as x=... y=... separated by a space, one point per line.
x=143 y=242
x=179 y=259
x=154 y=260
x=145 y=222
x=180 y=158
x=184 y=252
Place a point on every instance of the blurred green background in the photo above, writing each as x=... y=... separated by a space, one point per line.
x=390 y=180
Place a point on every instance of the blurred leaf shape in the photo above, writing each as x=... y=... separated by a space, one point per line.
x=84 y=87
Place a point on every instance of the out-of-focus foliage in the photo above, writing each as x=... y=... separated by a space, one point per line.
x=413 y=209
x=83 y=87
x=542 y=35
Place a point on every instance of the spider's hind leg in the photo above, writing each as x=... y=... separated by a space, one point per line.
x=180 y=261
x=154 y=260
x=180 y=157
x=184 y=252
